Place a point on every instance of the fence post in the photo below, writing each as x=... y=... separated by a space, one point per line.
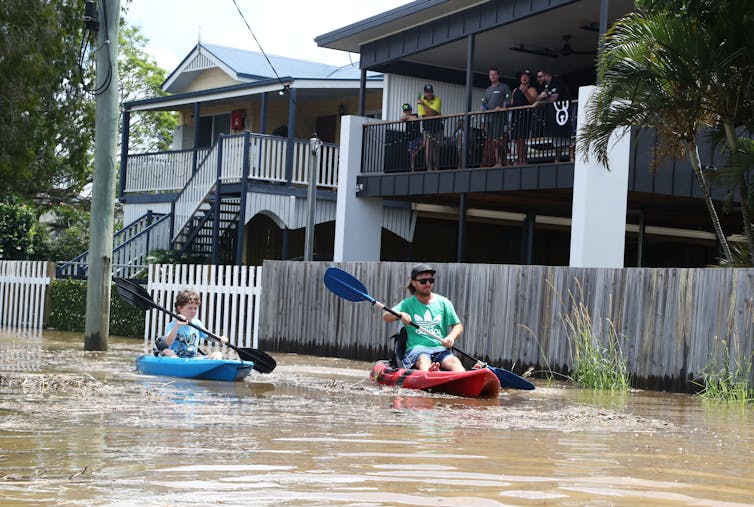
x=50 y=269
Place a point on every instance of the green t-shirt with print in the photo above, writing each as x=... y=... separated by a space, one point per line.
x=438 y=316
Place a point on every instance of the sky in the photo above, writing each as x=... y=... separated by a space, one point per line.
x=284 y=28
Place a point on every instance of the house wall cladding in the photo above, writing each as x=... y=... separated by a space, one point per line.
x=671 y=323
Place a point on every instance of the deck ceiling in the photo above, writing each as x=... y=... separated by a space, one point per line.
x=545 y=31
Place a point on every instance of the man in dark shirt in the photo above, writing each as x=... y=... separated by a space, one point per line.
x=551 y=88
x=553 y=98
x=413 y=135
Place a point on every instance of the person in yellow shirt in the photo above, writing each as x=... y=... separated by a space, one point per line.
x=429 y=106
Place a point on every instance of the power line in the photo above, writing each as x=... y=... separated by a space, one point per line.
x=285 y=87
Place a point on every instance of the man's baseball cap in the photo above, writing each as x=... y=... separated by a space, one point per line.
x=428 y=88
x=406 y=107
x=421 y=268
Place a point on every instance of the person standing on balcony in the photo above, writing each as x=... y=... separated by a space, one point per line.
x=413 y=136
x=522 y=119
x=551 y=88
x=429 y=106
x=496 y=99
x=556 y=125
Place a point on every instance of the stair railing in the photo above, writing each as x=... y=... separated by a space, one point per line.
x=204 y=179
x=131 y=245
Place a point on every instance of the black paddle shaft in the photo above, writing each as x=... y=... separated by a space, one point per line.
x=417 y=326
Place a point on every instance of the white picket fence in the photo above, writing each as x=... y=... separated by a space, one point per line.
x=230 y=300
x=23 y=293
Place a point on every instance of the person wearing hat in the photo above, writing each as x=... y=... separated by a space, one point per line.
x=433 y=312
x=430 y=105
x=522 y=119
x=413 y=136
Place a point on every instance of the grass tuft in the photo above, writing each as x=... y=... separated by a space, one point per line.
x=594 y=365
x=730 y=381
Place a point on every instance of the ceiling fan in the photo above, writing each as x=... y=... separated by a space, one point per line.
x=565 y=50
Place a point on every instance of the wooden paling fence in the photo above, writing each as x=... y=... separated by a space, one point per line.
x=230 y=300
x=671 y=323
x=24 y=289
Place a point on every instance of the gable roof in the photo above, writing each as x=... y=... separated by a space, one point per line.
x=246 y=66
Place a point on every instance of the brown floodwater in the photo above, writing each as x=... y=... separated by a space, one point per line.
x=84 y=428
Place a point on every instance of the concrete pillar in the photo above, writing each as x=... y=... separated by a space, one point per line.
x=358 y=220
x=598 y=229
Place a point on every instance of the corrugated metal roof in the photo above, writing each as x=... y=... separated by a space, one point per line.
x=245 y=66
x=253 y=64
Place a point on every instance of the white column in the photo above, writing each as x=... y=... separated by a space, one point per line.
x=598 y=227
x=358 y=221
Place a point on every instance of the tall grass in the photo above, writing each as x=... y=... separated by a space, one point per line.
x=594 y=365
x=730 y=381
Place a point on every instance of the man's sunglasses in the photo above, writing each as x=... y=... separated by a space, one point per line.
x=425 y=281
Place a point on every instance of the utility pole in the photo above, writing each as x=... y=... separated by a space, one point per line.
x=311 y=196
x=97 y=327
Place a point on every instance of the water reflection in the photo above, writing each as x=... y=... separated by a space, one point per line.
x=86 y=429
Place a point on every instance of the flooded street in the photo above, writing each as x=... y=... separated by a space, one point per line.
x=85 y=429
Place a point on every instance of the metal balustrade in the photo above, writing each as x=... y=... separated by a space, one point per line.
x=513 y=136
x=131 y=245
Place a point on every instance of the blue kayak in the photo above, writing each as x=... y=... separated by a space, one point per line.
x=205 y=369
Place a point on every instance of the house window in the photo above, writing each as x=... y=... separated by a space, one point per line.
x=210 y=127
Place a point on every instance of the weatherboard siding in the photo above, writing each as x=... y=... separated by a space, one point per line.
x=671 y=322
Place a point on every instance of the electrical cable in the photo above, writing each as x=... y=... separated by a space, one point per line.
x=83 y=50
x=285 y=86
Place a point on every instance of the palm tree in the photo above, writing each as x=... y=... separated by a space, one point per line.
x=655 y=72
x=727 y=24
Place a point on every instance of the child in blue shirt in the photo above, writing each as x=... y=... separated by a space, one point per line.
x=181 y=339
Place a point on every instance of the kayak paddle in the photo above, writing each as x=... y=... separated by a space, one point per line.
x=137 y=296
x=348 y=287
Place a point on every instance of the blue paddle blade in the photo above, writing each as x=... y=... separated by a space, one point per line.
x=510 y=379
x=346 y=286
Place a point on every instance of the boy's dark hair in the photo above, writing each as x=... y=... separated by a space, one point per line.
x=187 y=296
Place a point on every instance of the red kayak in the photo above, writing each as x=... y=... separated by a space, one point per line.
x=481 y=383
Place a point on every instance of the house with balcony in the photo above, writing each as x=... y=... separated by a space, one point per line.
x=234 y=187
x=545 y=205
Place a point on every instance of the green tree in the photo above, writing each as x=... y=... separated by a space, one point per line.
x=47 y=116
x=46 y=119
x=141 y=77
x=20 y=234
x=655 y=71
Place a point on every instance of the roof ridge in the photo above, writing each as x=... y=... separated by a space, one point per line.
x=270 y=55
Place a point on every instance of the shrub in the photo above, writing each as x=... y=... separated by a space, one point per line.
x=68 y=310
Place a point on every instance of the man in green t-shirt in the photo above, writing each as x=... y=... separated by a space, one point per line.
x=434 y=313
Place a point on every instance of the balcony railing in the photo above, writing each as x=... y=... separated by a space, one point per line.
x=514 y=136
x=170 y=171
